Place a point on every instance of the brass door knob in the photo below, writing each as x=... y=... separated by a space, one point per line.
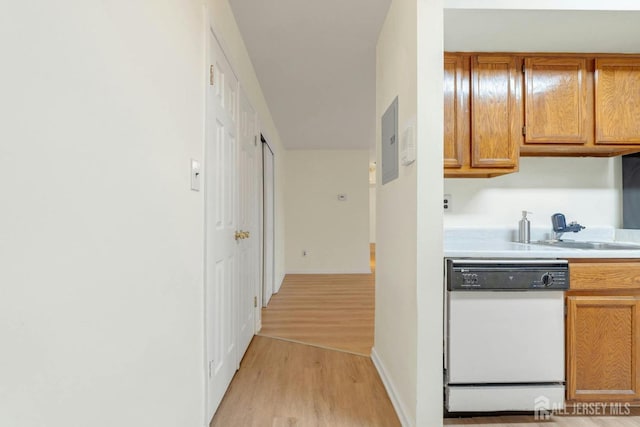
x=241 y=235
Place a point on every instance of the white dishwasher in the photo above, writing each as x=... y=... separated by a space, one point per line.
x=504 y=332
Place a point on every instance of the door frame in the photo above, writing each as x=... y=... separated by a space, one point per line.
x=257 y=175
x=265 y=244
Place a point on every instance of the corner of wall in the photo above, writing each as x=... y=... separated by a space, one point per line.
x=396 y=212
x=396 y=401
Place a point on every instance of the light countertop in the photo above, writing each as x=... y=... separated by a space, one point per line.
x=496 y=243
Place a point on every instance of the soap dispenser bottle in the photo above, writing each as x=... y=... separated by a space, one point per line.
x=524 y=229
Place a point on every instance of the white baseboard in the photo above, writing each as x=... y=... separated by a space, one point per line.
x=278 y=283
x=400 y=408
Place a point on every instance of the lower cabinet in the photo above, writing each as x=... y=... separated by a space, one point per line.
x=603 y=331
x=603 y=343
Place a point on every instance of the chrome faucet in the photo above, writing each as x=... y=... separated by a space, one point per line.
x=560 y=226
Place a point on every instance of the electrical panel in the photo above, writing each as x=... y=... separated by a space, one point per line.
x=389 y=149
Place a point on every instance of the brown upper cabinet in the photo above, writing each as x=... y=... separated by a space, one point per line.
x=456 y=110
x=496 y=116
x=482 y=141
x=558 y=98
x=581 y=105
x=617 y=100
x=498 y=107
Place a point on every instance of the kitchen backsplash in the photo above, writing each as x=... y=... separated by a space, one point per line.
x=586 y=190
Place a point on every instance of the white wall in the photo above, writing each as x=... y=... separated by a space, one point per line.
x=101 y=314
x=228 y=34
x=334 y=233
x=395 y=348
x=429 y=252
x=588 y=190
x=101 y=239
x=372 y=213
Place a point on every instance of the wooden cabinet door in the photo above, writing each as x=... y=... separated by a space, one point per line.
x=496 y=114
x=456 y=110
x=602 y=348
x=617 y=100
x=557 y=101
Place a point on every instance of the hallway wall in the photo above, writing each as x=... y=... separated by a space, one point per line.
x=100 y=236
x=395 y=348
x=372 y=213
x=334 y=233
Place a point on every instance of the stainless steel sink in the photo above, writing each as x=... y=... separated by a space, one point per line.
x=571 y=244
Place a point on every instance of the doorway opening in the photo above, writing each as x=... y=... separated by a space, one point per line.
x=372 y=216
x=327 y=299
x=268 y=221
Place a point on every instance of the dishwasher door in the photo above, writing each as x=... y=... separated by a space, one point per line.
x=505 y=337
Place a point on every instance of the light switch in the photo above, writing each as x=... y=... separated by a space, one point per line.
x=195 y=175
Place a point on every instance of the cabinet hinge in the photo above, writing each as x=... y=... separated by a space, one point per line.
x=524 y=130
x=211 y=75
x=255 y=302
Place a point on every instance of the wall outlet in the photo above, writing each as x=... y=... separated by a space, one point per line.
x=447 y=202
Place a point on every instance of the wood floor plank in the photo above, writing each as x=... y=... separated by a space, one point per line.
x=328 y=310
x=286 y=384
x=630 y=419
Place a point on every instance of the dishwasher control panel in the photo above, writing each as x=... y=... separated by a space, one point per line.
x=507 y=274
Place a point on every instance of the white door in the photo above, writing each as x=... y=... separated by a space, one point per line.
x=221 y=263
x=268 y=227
x=249 y=169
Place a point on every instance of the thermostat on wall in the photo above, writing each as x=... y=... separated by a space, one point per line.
x=408 y=143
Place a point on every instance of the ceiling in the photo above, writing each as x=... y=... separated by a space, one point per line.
x=315 y=61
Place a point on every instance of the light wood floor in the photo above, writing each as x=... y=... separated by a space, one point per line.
x=631 y=420
x=287 y=384
x=328 y=310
